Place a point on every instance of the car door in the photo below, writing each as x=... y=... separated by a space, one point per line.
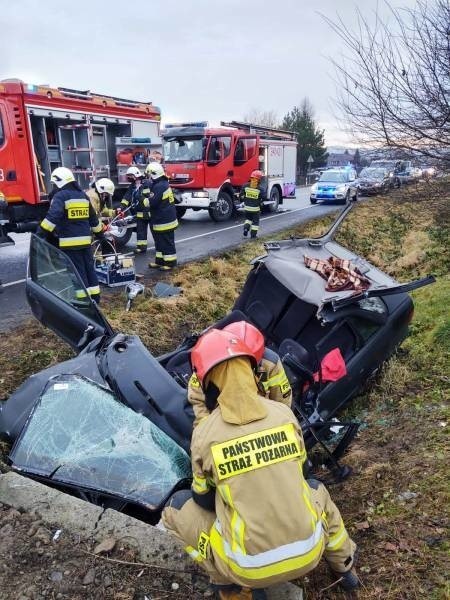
x=58 y=297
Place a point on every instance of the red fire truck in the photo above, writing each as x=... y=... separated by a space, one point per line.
x=208 y=166
x=42 y=128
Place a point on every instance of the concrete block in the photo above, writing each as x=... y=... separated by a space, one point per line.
x=51 y=505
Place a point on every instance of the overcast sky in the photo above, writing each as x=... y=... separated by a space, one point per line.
x=199 y=60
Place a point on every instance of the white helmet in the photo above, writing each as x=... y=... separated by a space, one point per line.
x=105 y=186
x=61 y=176
x=155 y=170
x=134 y=172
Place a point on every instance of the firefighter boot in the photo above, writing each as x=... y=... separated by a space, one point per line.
x=233 y=592
x=349 y=580
x=246 y=230
x=140 y=250
x=153 y=265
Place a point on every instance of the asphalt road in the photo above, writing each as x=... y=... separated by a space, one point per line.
x=196 y=237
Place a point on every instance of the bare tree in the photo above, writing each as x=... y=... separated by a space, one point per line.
x=394 y=83
x=266 y=118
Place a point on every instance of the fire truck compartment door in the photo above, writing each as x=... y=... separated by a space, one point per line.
x=59 y=299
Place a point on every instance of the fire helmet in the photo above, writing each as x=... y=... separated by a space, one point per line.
x=61 y=176
x=105 y=186
x=252 y=337
x=215 y=347
x=256 y=175
x=134 y=172
x=155 y=170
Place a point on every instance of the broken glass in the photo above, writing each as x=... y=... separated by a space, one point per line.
x=79 y=434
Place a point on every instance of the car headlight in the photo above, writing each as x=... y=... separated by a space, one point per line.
x=340 y=188
x=200 y=194
x=314 y=188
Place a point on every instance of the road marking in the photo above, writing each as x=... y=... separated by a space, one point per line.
x=200 y=235
x=14 y=283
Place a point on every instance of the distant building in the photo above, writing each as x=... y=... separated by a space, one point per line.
x=339 y=159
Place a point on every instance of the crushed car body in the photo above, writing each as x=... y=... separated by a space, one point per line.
x=330 y=343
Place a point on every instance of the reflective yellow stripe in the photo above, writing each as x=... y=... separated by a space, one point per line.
x=255 y=227
x=237 y=524
x=202 y=544
x=97 y=228
x=166 y=226
x=252 y=193
x=252 y=208
x=94 y=289
x=47 y=225
x=280 y=560
x=82 y=240
x=169 y=257
x=77 y=203
x=278 y=379
x=80 y=294
x=158 y=254
x=247 y=222
x=141 y=243
x=199 y=484
x=338 y=539
x=124 y=202
x=168 y=195
x=307 y=499
x=193 y=553
x=256 y=450
x=140 y=215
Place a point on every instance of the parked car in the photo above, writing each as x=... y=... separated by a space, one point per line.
x=335 y=185
x=373 y=180
x=113 y=425
x=394 y=167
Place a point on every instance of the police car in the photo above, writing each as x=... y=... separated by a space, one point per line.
x=336 y=185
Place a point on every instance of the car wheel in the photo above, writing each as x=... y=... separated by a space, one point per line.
x=180 y=212
x=346 y=200
x=121 y=236
x=313 y=200
x=275 y=199
x=223 y=208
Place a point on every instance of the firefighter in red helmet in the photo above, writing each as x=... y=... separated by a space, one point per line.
x=270 y=375
x=251 y=195
x=253 y=520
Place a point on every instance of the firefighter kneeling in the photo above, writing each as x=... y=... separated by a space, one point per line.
x=247 y=459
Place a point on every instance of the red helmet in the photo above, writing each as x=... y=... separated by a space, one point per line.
x=253 y=338
x=214 y=347
x=256 y=175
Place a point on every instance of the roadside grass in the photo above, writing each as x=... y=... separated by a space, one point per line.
x=396 y=503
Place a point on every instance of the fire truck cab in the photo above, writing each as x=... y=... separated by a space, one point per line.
x=42 y=128
x=208 y=166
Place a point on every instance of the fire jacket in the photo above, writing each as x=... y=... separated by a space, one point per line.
x=252 y=198
x=72 y=218
x=249 y=451
x=162 y=207
x=138 y=197
x=272 y=383
x=99 y=205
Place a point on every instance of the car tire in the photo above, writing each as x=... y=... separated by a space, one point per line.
x=223 y=208
x=346 y=200
x=123 y=238
x=313 y=200
x=180 y=212
x=275 y=198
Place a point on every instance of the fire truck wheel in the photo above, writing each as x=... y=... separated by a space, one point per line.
x=275 y=199
x=122 y=237
x=180 y=212
x=223 y=208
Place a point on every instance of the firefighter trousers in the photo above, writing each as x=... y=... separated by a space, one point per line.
x=141 y=233
x=192 y=525
x=251 y=222
x=83 y=261
x=165 y=251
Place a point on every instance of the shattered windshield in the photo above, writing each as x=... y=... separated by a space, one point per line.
x=81 y=435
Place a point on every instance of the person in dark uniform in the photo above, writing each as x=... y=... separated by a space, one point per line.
x=72 y=218
x=163 y=219
x=251 y=195
x=137 y=199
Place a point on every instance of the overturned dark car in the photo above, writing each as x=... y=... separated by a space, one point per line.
x=113 y=425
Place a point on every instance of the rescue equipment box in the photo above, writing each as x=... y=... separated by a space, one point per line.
x=115 y=270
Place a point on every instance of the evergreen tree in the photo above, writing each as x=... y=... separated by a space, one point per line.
x=357 y=158
x=310 y=138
